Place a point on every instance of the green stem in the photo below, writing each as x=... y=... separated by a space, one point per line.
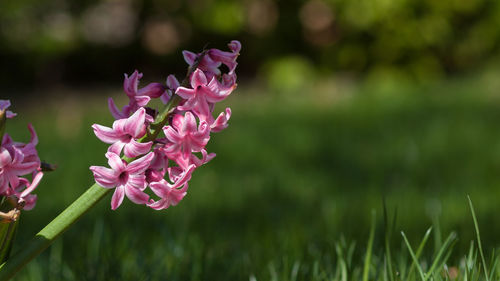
x=52 y=231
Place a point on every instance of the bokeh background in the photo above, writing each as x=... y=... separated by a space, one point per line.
x=341 y=105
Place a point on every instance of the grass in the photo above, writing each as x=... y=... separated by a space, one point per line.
x=291 y=190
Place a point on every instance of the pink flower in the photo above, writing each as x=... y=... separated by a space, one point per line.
x=184 y=163
x=202 y=96
x=124 y=135
x=171 y=194
x=4 y=104
x=213 y=59
x=138 y=97
x=221 y=122
x=127 y=179
x=158 y=167
x=12 y=165
x=184 y=136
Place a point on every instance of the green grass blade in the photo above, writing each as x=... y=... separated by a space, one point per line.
x=420 y=249
x=388 y=257
x=366 y=269
x=478 y=236
x=412 y=254
x=437 y=260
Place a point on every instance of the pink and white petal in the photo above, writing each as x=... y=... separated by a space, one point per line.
x=189 y=57
x=34 y=137
x=160 y=188
x=135 y=195
x=105 y=177
x=183 y=178
x=235 y=46
x=5 y=158
x=137 y=181
x=172 y=82
x=140 y=165
x=159 y=205
x=134 y=125
x=221 y=122
x=116 y=147
x=115 y=162
x=131 y=83
x=117 y=198
x=106 y=134
x=117 y=114
x=189 y=124
x=142 y=100
x=171 y=134
x=185 y=93
x=25 y=168
x=33 y=185
x=198 y=79
x=134 y=148
x=153 y=90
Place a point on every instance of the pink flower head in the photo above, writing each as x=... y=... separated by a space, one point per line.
x=201 y=96
x=127 y=179
x=138 y=97
x=213 y=59
x=4 y=104
x=124 y=135
x=184 y=136
x=171 y=194
x=13 y=164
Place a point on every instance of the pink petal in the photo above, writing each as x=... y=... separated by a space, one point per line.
x=34 y=137
x=117 y=198
x=189 y=57
x=105 y=177
x=140 y=165
x=116 y=147
x=185 y=93
x=33 y=185
x=137 y=181
x=171 y=134
x=135 y=124
x=5 y=158
x=115 y=162
x=172 y=82
x=198 y=78
x=134 y=148
x=135 y=195
x=189 y=124
x=117 y=114
x=153 y=90
x=130 y=84
x=105 y=134
x=142 y=100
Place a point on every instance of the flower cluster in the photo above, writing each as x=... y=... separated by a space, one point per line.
x=165 y=163
x=18 y=160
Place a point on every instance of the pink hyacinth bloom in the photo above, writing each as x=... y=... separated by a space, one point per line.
x=158 y=167
x=171 y=194
x=184 y=163
x=200 y=98
x=124 y=135
x=4 y=104
x=14 y=164
x=138 y=97
x=184 y=136
x=127 y=179
x=213 y=59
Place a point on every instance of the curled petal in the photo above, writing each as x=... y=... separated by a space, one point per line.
x=117 y=114
x=136 y=195
x=105 y=134
x=115 y=162
x=117 y=198
x=134 y=148
x=189 y=57
x=134 y=125
x=140 y=165
x=33 y=185
x=153 y=90
x=105 y=177
x=198 y=78
x=221 y=122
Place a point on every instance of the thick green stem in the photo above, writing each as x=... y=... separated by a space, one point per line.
x=53 y=230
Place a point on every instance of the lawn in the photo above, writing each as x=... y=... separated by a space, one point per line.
x=296 y=179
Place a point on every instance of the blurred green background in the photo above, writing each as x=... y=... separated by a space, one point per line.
x=340 y=106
